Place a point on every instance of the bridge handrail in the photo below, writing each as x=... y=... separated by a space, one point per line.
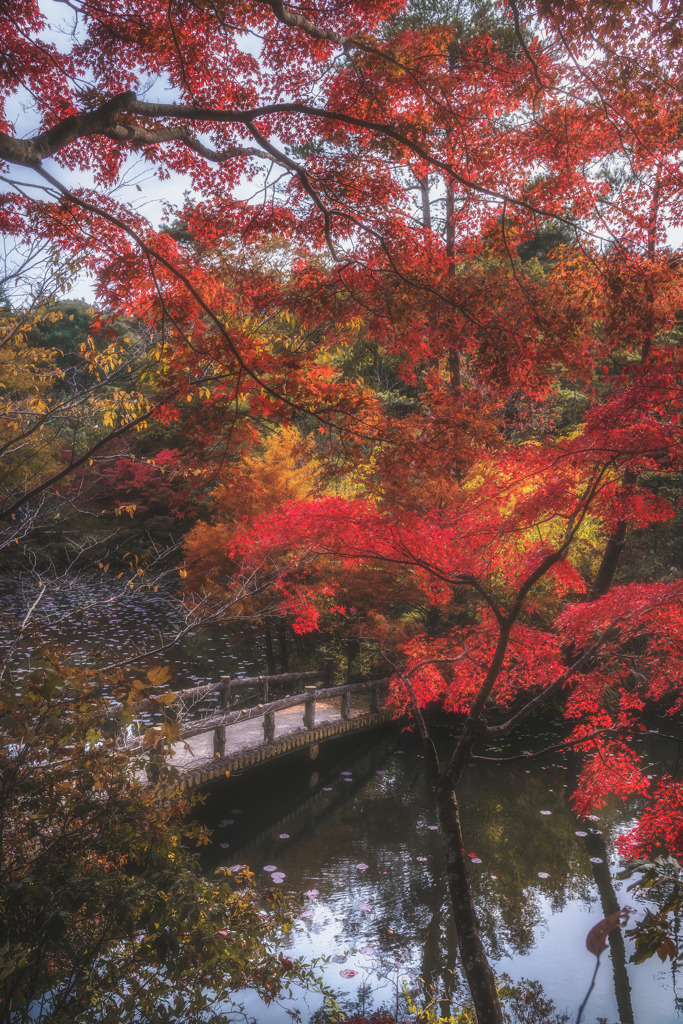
x=248 y=714
x=284 y=677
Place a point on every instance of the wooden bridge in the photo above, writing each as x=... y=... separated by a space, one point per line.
x=215 y=741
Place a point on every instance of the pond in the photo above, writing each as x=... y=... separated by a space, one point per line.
x=99 y=622
x=357 y=831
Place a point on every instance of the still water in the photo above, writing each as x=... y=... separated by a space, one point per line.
x=357 y=830
x=98 y=622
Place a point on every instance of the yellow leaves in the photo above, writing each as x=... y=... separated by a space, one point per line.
x=130 y=509
x=159 y=676
x=182 y=573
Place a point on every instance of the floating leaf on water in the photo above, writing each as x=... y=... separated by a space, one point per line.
x=236 y=867
x=365 y=906
x=284 y=835
x=362 y=866
x=338 y=959
x=225 y=846
x=306 y=913
x=476 y=860
x=380 y=772
x=270 y=868
x=433 y=828
x=582 y=834
x=277 y=877
x=543 y=874
x=346 y=973
x=311 y=893
x=421 y=858
x=597 y=860
x=327 y=789
x=367 y=951
x=546 y=812
x=347 y=778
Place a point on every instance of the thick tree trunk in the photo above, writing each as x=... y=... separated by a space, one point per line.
x=611 y=557
x=480 y=977
x=270 y=653
x=352 y=652
x=284 y=649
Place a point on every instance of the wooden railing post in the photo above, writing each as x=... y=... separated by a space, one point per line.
x=374 y=698
x=224 y=699
x=219 y=741
x=269 y=727
x=309 y=707
x=265 y=689
x=345 y=707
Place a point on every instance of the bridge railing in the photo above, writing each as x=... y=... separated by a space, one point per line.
x=206 y=699
x=221 y=718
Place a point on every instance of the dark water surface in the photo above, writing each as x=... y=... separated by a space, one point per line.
x=539 y=887
x=100 y=623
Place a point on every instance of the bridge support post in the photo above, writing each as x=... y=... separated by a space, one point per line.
x=345 y=706
x=219 y=741
x=309 y=707
x=374 y=699
x=269 y=727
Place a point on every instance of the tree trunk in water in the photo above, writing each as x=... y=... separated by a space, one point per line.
x=480 y=977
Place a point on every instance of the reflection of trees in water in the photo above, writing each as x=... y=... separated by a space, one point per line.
x=383 y=820
x=501 y=811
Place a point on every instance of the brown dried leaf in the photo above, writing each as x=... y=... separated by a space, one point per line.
x=596 y=940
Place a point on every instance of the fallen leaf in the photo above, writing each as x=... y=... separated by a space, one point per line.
x=596 y=940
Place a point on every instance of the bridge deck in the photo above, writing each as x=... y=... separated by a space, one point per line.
x=245 y=735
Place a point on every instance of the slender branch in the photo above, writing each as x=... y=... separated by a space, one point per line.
x=565 y=745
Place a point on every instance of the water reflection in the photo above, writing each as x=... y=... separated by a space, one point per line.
x=537 y=890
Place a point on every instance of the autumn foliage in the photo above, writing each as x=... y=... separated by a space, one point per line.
x=418 y=317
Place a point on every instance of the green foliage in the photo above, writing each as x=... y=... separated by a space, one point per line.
x=104 y=915
x=657 y=931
